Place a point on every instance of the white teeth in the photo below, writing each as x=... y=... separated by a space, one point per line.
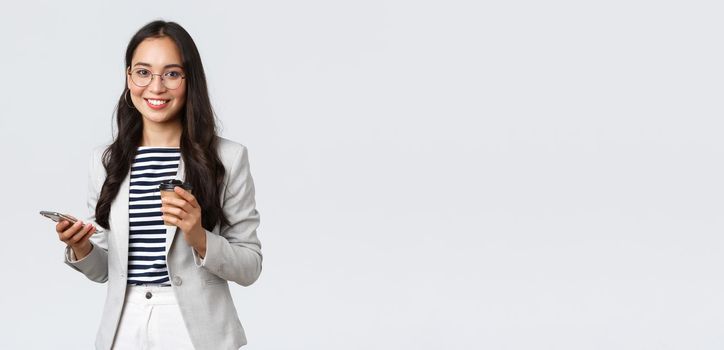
x=156 y=102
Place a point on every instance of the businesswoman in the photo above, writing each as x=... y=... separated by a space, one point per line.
x=167 y=262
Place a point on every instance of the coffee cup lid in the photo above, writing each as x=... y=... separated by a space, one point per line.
x=168 y=185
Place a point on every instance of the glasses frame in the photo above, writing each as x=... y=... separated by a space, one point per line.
x=160 y=76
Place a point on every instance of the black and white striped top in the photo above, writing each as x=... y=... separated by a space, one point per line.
x=147 y=236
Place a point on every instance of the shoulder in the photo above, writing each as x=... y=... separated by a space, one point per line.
x=96 y=155
x=230 y=151
x=225 y=145
x=98 y=150
x=96 y=170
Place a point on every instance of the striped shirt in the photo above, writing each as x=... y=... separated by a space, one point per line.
x=147 y=235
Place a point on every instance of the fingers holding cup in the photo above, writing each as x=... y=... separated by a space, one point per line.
x=174 y=203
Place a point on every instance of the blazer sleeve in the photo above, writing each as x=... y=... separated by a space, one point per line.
x=95 y=264
x=235 y=253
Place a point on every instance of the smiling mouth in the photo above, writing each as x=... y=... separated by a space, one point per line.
x=155 y=103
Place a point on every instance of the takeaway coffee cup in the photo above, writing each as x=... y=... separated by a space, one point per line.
x=166 y=188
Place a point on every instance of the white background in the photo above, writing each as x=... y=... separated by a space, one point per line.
x=430 y=174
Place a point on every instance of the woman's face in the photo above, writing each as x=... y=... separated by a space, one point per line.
x=156 y=102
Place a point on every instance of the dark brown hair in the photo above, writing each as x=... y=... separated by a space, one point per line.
x=199 y=140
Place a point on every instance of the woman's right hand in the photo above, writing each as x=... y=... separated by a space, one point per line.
x=76 y=236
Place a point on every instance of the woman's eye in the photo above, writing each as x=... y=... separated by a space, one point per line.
x=173 y=75
x=142 y=72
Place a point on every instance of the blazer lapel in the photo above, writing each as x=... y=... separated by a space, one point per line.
x=171 y=230
x=119 y=221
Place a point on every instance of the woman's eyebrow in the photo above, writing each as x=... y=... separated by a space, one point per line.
x=166 y=66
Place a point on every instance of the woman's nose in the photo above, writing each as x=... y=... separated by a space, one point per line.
x=156 y=84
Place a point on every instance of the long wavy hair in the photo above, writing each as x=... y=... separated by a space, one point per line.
x=199 y=140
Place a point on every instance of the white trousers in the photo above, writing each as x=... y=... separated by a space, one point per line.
x=151 y=320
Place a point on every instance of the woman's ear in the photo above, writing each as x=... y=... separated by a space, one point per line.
x=128 y=78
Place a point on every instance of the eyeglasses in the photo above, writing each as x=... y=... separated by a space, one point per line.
x=142 y=77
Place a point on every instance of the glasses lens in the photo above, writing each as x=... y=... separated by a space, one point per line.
x=141 y=77
x=172 y=79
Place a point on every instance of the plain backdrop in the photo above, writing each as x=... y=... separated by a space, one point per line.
x=429 y=174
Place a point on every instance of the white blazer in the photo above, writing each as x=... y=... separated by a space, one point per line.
x=233 y=253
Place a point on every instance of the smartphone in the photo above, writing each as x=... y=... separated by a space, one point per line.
x=55 y=216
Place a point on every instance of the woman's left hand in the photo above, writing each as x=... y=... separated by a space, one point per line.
x=185 y=213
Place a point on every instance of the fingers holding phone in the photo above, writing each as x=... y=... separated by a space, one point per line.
x=76 y=236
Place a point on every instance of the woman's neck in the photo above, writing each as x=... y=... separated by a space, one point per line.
x=157 y=135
